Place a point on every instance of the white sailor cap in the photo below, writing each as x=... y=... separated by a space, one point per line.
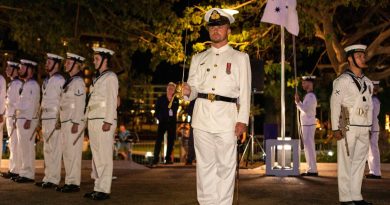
x=309 y=77
x=13 y=64
x=217 y=16
x=28 y=62
x=376 y=82
x=104 y=51
x=355 y=48
x=75 y=57
x=172 y=83
x=54 y=57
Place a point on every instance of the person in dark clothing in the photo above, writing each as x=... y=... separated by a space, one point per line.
x=166 y=123
x=191 y=148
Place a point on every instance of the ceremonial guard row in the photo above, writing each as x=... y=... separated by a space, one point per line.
x=64 y=113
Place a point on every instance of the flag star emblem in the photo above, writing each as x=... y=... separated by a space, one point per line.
x=277 y=9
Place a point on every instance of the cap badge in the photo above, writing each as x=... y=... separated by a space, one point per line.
x=215 y=15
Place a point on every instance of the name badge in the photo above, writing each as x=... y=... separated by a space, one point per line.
x=228 y=68
x=170 y=112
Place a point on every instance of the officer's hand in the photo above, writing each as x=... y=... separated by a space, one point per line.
x=337 y=134
x=240 y=129
x=1 y=118
x=75 y=128
x=297 y=100
x=106 y=126
x=27 y=124
x=186 y=89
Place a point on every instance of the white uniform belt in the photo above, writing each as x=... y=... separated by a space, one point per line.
x=49 y=109
x=67 y=107
x=97 y=105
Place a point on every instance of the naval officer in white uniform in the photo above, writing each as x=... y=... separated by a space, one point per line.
x=102 y=121
x=72 y=122
x=12 y=99
x=352 y=90
x=374 y=160
x=50 y=108
x=220 y=79
x=27 y=120
x=307 y=109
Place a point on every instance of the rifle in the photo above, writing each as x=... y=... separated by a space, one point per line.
x=343 y=125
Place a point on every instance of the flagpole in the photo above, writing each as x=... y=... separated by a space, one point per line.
x=282 y=80
x=282 y=100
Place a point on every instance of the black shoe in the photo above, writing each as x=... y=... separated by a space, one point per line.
x=24 y=180
x=14 y=178
x=69 y=188
x=168 y=162
x=188 y=163
x=347 y=203
x=310 y=174
x=372 y=176
x=39 y=184
x=89 y=194
x=9 y=175
x=362 y=202
x=99 y=196
x=48 y=185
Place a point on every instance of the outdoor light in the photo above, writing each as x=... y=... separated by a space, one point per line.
x=330 y=153
x=189 y=118
x=152 y=111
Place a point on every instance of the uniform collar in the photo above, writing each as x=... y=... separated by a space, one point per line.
x=220 y=50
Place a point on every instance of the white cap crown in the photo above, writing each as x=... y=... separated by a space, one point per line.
x=75 y=57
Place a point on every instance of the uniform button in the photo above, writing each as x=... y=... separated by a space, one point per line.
x=215 y=65
x=217 y=54
x=212 y=89
x=214 y=76
x=208 y=69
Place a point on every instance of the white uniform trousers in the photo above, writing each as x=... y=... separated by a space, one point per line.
x=14 y=164
x=215 y=167
x=102 y=154
x=309 y=147
x=351 y=169
x=374 y=160
x=72 y=154
x=26 y=148
x=52 y=152
x=1 y=140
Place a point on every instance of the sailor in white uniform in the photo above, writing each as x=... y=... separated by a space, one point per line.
x=374 y=160
x=72 y=122
x=102 y=121
x=307 y=109
x=353 y=91
x=12 y=99
x=50 y=108
x=220 y=79
x=27 y=120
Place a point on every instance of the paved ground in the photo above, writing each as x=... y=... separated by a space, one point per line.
x=175 y=185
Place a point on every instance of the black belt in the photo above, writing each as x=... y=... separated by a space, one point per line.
x=214 y=97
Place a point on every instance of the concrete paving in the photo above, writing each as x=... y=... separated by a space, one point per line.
x=176 y=185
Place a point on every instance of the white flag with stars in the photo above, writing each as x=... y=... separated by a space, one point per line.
x=282 y=12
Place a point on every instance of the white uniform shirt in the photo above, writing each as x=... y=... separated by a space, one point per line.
x=14 y=87
x=3 y=94
x=28 y=104
x=359 y=102
x=103 y=97
x=308 y=109
x=73 y=101
x=375 y=112
x=51 y=94
x=224 y=72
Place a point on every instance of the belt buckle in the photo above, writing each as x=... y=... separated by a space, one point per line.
x=211 y=97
